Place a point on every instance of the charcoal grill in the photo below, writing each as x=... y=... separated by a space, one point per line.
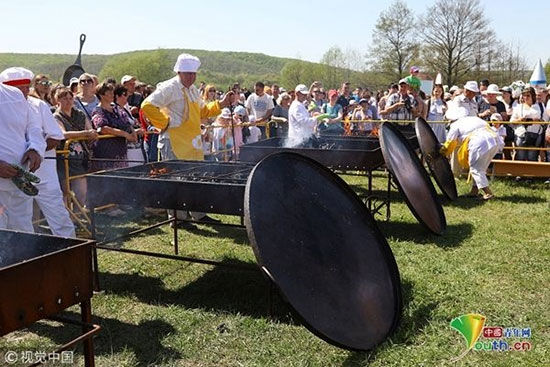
x=351 y=153
x=210 y=187
x=42 y=275
x=335 y=152
x=352 y=276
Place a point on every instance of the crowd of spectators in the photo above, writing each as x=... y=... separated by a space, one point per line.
x=88 y=109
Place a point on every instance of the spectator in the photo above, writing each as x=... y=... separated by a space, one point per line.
x=260 y=105
x=489 y=104
x=109 y=120
x=223 y=135
x=528 y=135
x=150 y=139
x=136 y=153
x=392 y=88
x=509 y=104
x=335 y=114
x=275 y=91
x=317 y=101
x=345 y=96
x=74 y=125
x=373 y=103
x=412 y=79
x=86 y=99
x=73 y=85
x=280 y=116
x=483 y=85
x=41 y=89
x=401 y=106
x=254 y=131
x=134 y=98
x=464 y=104
x=363 y=113
x=436 y=108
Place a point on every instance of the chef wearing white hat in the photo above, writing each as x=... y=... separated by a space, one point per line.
x=49 y=198
x=176 y=108
x=21 y=141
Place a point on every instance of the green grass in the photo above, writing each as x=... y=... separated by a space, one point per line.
x=493 y=260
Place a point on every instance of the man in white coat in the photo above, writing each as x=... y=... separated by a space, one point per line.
x=300 y=125
x=477 y=144
x=50 y=197
x=21 y=142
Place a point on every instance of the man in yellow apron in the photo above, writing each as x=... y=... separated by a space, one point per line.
x=475 y=144
x=176 y=108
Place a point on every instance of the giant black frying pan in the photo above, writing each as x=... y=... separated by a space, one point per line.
x=412 y=179
x=320 y=245
x=439 y=165
x=75 y=70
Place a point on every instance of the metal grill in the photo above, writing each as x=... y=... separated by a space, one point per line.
x=41 y=276
x=211 y=187
x=353 y=153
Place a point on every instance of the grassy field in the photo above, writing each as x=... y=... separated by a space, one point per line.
x=493 y=260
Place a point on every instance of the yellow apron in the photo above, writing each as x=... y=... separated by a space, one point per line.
x=181 y=137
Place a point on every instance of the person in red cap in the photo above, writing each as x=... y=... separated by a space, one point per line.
x=20 y=143
x=49 y=197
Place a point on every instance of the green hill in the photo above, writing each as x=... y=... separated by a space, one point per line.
x=219 y=68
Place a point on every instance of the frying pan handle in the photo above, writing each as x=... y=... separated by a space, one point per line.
x=78 y=58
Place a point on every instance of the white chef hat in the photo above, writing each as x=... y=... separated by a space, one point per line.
x=16 y=76
x=187 y=64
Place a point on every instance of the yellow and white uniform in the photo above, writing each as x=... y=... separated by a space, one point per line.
x=180 y=110
x=476 y=144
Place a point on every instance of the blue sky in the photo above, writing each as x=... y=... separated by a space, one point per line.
x=298 y=29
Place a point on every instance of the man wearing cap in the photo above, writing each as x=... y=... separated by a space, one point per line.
x=177 y=108
x=465 y=103
x=134 y=99
x=50 y=197
x=21 y=142
x=489 y=104
x=400 y=106
x=301 y=126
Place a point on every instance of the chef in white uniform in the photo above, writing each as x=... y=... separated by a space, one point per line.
x=477 y=144
x=301 y=126
x=50 y=197
x=21 y=142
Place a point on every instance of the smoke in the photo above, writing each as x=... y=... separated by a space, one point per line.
x=298 y=137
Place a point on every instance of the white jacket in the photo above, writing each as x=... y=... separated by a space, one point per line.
x=21 y=130
x=50 y=130
x=170 y=99
x=300 y=125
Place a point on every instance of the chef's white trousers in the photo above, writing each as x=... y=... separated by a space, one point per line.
x=16 y=211
x=50 y=202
